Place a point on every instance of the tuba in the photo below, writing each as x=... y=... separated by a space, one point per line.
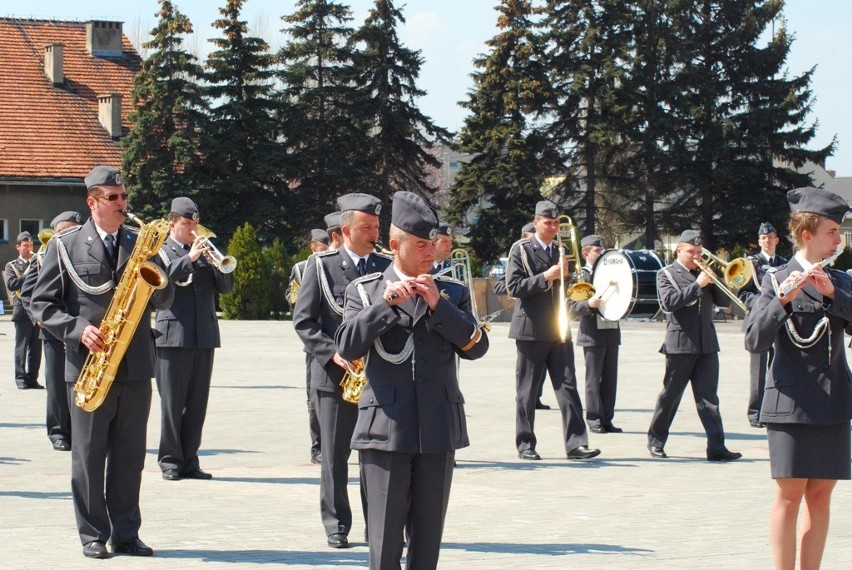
x=128 y=306
x=353 y=381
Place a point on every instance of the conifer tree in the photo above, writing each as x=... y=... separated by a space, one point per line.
x=251 y=297
x=386 y=72
x=161 y=151
x=326 y=140
x=243 y=158
x=495 y=193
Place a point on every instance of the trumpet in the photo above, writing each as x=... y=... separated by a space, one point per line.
x=704 y=265
x=786 y=289
x=224 y=263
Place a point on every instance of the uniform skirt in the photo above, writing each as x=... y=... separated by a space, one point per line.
x=809 y=451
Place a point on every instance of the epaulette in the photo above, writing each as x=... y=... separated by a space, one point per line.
x=448 y=279
x=131 y=229
x=68 y=231
x=774 y=269
x=383 y=255
x=327 y=253
x=367 y=278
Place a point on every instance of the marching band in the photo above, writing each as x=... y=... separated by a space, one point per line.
x=398 y=322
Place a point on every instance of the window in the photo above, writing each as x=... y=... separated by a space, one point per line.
x=4 y=230
x=32 y=226
x=454 y=165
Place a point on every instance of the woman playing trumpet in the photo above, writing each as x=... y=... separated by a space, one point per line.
x=807 y=402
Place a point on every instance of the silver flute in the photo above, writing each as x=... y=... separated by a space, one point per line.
x=785 y=289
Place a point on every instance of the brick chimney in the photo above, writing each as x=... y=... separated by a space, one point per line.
x=53 y=63
x=103 y=39
x=109 y=114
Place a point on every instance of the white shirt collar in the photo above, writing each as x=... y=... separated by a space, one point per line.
x=354 y=256
x=103 y=233
x=765 y=256
x=541 y=243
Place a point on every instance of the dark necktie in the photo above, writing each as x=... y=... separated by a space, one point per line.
x=362 y=267
x=695 y=272
x=109 y=243
x=553 y=252
x=771 y=261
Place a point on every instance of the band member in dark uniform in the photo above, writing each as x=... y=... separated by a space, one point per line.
x=27 y=344
x=600 y=339
x=332 y=226
x=319 y=242
x=803 y=309
x=443 y=248
x=688 y=296
x=768 y=239
x=188 y=335
x=410 y=326
x=318 y=314
x=58 y=414
x=532 y=277
x=74 y=289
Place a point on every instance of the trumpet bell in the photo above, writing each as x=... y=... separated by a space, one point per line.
x=227 y=264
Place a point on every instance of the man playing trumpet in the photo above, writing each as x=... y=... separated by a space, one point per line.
x=687 y=296
x=188 y=335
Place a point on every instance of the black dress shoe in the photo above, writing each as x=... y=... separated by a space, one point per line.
x=61 y=444
x=35 y=386
x=171 y=475
x=757 y=424
x=22 y=386
x=133 y=547
x=597 y=429
x=657 y=451
x=95 y=549
x=338 y=540
x=613 y=429
x=539 y=405
x=725 y=456
x=583 y=452
x=196 y=474
x=529 y=454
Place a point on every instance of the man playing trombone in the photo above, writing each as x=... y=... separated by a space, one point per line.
x=188 y=335
x=687 y=295
x=533 y=276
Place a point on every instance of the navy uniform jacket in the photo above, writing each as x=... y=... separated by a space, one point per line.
x=750 y=292
x=16 y=272
x=803 y=385
x=589 y=334
x=534 y=316
x=66 y=309
x=415 y=406
x=689 y=311
x=319 y=310
x=191 y=320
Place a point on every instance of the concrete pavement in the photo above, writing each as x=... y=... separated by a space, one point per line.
x=623 y=510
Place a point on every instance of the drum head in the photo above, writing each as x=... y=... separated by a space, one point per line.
x=615 y=284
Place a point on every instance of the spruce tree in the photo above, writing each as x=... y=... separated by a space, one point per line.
x=251 y=297
x=495 y=193
x=326 y=140
x=161 y=151
x=386 y=72
x=243 y=158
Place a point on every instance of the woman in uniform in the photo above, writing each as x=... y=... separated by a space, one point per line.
x=807 y=403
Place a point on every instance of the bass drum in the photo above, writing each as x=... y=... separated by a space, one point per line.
x=626 y=282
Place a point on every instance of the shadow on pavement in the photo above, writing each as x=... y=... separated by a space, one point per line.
x=37 y=494
x=308 y=558
x=560 y=549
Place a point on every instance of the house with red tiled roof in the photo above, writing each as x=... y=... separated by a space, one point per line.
x=64 y=101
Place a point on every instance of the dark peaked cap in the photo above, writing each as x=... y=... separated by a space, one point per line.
x=413 y=215
x=361 y=203
x=184 y=207
x=547 y=209
x=24 y=236
x=332 y=221
x=692 y=237
x=766 y=228
x=593 y=239
x=103 y=176
x=68 y=216
x=818 y=201
x=528 y=228
x=320 y=235
x=444 y=228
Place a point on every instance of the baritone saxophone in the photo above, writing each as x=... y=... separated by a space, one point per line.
x=128 y=306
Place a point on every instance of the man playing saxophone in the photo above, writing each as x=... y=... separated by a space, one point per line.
x=75 y=287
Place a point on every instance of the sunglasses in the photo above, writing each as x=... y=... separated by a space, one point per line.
x=113 y=197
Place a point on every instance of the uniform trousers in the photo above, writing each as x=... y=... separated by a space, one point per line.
x=183 y=380
x=58 y=414
x=703 y=371
x=313 y=416
x=601 y=383
x=107 y=459
x=337 y=422
x=27 y=352
x=759 y=364
x=406 y=490
x=536 y=357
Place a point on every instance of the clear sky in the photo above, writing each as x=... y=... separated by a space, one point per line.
x=451 y=33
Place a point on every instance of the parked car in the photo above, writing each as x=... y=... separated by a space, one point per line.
x=498 y=270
